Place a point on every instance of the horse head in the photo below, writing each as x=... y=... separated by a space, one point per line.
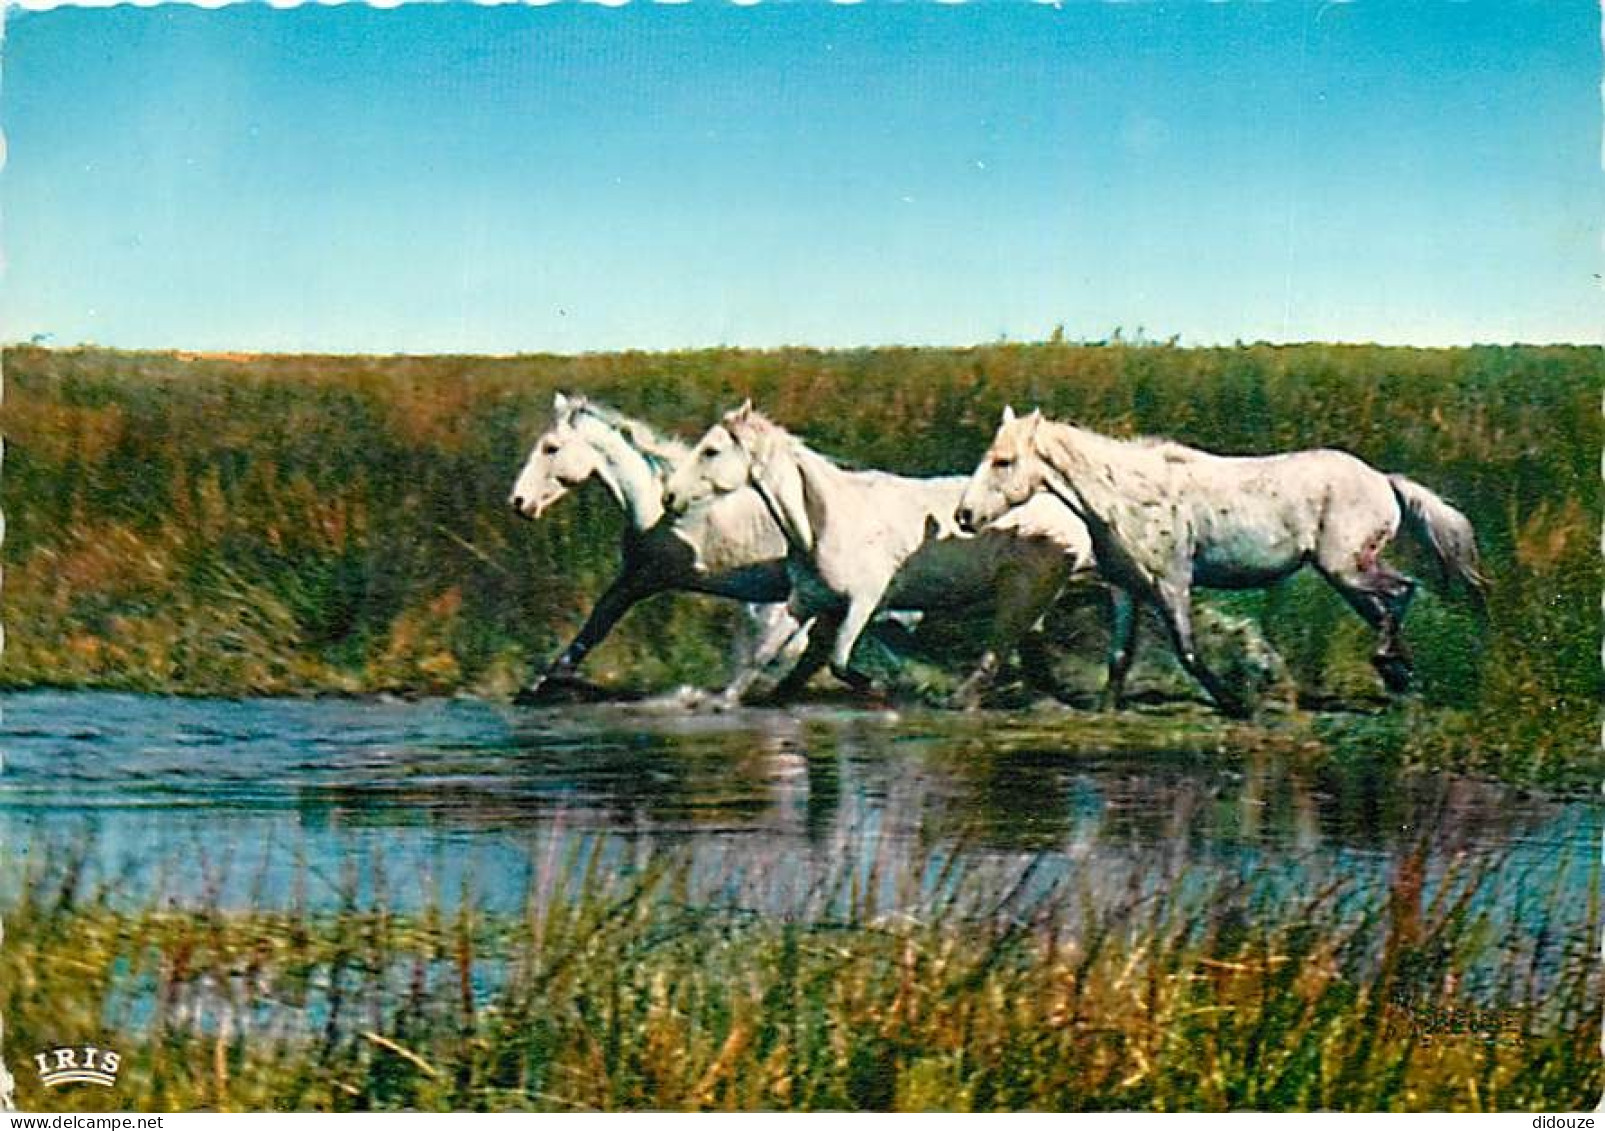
x=560 y=460
x=761 y=438
x=718 y=465
x=1007 y=476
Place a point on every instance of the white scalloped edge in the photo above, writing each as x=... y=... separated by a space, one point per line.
x=8 y=1083
x=47 y=5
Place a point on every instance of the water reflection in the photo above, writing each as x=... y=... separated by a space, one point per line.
x=450 y=790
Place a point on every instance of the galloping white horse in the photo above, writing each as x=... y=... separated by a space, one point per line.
x=1164 y=517
x=863 y=541
x=729 y=548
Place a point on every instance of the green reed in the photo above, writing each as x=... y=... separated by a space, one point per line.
x=629 y=989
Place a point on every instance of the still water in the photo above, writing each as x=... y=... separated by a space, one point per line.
x=264 y=802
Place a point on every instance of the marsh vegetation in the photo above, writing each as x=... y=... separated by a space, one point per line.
x=345 y=905
x=338 y=901
x=274 y=525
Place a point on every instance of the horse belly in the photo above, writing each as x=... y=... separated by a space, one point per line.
x=764 y=583
x=953 y=572
x=1241 y=575
x=1247 y=555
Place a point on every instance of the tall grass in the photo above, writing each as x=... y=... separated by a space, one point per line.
x=633 y=989
x=304 y=524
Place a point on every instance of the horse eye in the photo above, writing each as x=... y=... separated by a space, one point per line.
x=1003 y=463
x=549 y=449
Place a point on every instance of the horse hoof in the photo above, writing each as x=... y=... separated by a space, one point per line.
x=965 y=699
x=778 y=696
x=534 y=695
x=856 y=681
x=872 y=697
x=1236 y=708
x=559 y=687
x=1395 y=673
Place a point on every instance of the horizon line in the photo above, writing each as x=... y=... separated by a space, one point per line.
x=244 y=356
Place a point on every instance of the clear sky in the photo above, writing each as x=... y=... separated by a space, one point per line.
x=573 y=177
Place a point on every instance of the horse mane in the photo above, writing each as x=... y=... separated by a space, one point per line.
x=797 y=443
x=660 y=451
x=1170 y=450
x=1098 y=454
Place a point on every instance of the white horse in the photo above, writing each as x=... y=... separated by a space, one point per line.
x=1164 y=517
x=865 y=541
x=729 y=548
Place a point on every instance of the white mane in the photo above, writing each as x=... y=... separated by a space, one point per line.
x=662 y=452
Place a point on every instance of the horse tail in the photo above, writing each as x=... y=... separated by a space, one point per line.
x=1444 y=530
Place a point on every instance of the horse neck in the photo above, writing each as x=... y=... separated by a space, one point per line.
x=628 y=475
x=784 y=493
x=1098 y=476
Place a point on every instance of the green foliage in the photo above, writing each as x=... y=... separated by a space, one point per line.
x=305 y=524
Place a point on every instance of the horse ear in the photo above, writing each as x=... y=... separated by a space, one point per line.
x=744 y=412
x=559 y=402
x=1008 y=414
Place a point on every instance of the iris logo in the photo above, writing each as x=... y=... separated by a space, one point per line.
x=83 y=1064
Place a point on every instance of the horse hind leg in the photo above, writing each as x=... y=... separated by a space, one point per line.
x=1382 y=595
x=969 y=694
x=1037 y=663
x=1392 y=659
x=1024 y=593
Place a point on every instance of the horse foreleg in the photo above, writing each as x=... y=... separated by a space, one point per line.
x=1176 y=608
x=820 y=632
x=853 y=623
x=1122 y=647
x=626 y=591
x=780 y=634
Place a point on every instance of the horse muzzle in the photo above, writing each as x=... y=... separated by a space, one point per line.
x=529 y=508
x=965 y=517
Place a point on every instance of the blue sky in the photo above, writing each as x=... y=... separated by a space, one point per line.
x=570 y=178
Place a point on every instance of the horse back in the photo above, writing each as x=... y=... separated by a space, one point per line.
x=1257 y=518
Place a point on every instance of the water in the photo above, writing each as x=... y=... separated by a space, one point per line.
x=267 y=802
